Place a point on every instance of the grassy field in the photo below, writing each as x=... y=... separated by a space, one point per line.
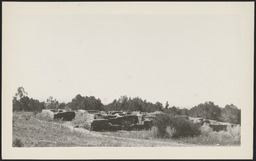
x=222 y=138
x=30 y=130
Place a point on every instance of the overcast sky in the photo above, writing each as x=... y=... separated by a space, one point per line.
x=185 y=59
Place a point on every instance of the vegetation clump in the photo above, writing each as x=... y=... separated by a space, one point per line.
x=232 y=136
x=170 y=126
x=83 y=120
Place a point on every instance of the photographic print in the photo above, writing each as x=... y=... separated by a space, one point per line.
x=156 y=76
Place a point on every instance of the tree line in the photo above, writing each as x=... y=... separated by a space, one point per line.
x=208 y=110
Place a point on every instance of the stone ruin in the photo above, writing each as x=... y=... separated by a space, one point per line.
x=59 y=114
x=118 y=120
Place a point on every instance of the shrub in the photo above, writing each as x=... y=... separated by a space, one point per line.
x=171 y=126
x=206 y=129
x=154 y=131
x=161 y=121
x=44 y=116
x=208 y=137
x=234 y=131
x=83 y=120
x=17 y=143
x=170 y=131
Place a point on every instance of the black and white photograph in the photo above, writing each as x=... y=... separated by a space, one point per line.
x=127 y=80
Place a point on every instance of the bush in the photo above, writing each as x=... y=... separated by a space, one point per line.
x=209 y=137
x=17 y=143
x=170 y=131
x=234 y=131
x=206 y=130
x=154 y=131
x=44 y=116
x=83 y=120
x=171 y=126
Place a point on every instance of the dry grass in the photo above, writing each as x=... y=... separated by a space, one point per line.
x=44 y=116
x=33 y=132
x=83 y=120
x=151 y=134
x=208 y=137
x=170 y=131
x=154 y=131
x=130 y=134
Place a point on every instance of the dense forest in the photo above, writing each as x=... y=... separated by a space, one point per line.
x=208 y=110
